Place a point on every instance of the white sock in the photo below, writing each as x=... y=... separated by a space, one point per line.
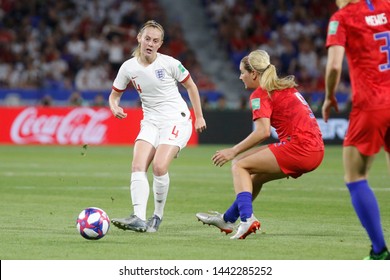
x=160 y=191
x=139 y=189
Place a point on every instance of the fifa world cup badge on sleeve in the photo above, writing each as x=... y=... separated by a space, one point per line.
x=333 y=25
x=255 y=104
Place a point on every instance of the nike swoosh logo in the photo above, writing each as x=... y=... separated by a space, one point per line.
x=134 y=77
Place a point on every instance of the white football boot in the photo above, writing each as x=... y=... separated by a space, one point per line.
x=214 y=218
x=246 y=228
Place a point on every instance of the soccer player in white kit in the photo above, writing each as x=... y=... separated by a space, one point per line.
x=166 y=126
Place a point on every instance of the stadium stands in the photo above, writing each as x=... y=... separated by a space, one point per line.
x=56 y=47
x=293 y=32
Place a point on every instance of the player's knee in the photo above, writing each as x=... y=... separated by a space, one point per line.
x=354 y=177
x=159 y=169
x=236 y=166
x=135 y=167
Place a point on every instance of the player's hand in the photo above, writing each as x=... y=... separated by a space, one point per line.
x=327 y=106
x=118 y=112
x=223 y=156
x=200 y=124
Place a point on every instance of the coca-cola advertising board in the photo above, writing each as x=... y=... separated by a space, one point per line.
x=70 y=126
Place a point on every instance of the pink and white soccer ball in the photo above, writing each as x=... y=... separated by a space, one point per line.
x=93 y=223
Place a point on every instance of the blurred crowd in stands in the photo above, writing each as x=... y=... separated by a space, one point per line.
x=293 y=32
x=80 y=44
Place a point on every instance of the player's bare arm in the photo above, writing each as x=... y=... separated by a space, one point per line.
x=261 y=132
x=193 y=93
x=114 y=100
x=332 y=79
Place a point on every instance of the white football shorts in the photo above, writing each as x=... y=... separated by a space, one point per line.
x=175 y=134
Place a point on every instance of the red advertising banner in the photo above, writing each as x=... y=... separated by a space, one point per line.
x=70 y=126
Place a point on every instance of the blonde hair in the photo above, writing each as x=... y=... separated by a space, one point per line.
x=245 y=62
x=149 y=23
x=342 y=3
x=260 y=62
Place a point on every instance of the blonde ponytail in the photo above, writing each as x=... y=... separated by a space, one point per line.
x=342 y=3
x=259 y=60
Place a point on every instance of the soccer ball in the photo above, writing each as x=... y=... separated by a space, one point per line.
x=93 y=223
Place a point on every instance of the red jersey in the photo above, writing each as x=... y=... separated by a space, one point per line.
x=363 y=28
x=290 y=115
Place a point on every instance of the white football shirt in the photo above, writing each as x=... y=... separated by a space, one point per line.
x=157 y=87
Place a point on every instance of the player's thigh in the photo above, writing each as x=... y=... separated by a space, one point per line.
x=163 y=158
x=143 y=154
x=262 y=178
x=356 y=165
x=248 y=153
x=260 y=161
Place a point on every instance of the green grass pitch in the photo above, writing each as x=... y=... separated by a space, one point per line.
x=43 y=189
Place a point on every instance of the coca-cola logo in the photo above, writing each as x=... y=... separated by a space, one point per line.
x=80 y=125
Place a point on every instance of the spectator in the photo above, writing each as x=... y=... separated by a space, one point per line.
x=76 y=46
x=99 y=101
x=92 y=77
x=307 y=57
x=222 y=103
x=288 y=58
x=116 y=53
x=76 y=99
x=46 y=100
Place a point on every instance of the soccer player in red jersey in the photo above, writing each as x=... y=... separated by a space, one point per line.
x=275 y=102
x=361 y=30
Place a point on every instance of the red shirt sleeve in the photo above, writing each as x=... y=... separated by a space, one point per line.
x=336 y=32
x=260 y=104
